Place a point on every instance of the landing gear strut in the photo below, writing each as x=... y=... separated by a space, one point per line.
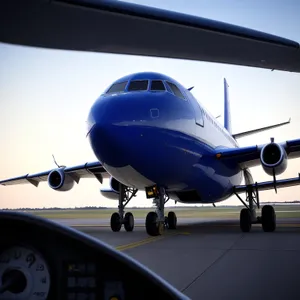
x=118 y=219
x=156 y=221
x=248 y=214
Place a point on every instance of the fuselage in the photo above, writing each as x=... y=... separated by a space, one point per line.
x=147 y=129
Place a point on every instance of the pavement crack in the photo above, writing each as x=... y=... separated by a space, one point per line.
x=213 y=263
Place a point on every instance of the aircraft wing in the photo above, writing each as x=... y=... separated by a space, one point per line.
x=126 y=28
x=88 y=170
x=249 y=157
x=269 y=185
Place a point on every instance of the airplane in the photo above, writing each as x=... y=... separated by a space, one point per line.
x=171 y=148
x=150 y=133
x=55 y=25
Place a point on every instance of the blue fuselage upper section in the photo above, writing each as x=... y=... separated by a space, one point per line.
x=148 y=129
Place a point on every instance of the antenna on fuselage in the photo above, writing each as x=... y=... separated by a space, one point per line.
x=218 y=116
x=57 y=163
x=189 y=89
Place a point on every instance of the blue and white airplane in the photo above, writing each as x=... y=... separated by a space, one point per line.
x=148 y=131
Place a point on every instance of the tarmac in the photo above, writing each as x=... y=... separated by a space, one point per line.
x=207 y=259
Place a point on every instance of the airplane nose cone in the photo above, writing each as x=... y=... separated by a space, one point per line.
x=113 y=127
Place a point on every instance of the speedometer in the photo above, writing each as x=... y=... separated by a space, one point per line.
x=23 y=274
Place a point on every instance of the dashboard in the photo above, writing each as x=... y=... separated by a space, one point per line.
x=41 y=259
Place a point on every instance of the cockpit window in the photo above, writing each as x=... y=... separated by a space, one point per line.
x=138 y=85
x=117 y=87
x=157 y=85
x=175 y=90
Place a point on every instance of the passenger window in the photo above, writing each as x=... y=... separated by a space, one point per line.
x=175 y=90
x=117 y=87
x=157 y=85
x=138 y=85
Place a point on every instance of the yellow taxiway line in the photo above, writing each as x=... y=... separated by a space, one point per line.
x=148 y=240
x=168 y=234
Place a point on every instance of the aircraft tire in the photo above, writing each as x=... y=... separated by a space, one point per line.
x=245 y=220
x=172 y=220
x=268 y=218
x=152 y=225
x=128 y=221
x=115 y=222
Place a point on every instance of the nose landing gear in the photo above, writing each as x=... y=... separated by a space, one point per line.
x=156 y=221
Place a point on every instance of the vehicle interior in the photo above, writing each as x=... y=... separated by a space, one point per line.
x=41 y=259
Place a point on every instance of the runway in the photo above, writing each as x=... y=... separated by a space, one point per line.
x=214 y=259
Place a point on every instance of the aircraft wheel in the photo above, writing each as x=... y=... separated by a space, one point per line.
x=245 y=220
x=128 y=221
x=115 y=222
x=153 y=227
x=268 y=218
x=172 y=220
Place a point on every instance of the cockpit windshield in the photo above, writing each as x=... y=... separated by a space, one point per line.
x=138 y=85
x=157 y=85
x=117 y=87
x=176 y=91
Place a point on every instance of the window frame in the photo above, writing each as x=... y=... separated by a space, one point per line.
x=169 y=83
x=123 y=91
x=162 y=81
x=133 y=80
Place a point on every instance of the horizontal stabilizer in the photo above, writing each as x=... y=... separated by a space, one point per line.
x=245 y=133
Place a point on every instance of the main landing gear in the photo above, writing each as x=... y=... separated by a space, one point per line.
x=248 y=214
x=118 y=219
x=156 y=221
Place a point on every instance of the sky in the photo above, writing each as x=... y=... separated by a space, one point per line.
x=45 y=97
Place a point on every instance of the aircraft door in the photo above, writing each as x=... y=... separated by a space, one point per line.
x=199 y=120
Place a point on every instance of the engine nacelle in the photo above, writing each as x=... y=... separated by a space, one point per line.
x=60 y=181
x=114 y=184
x=273 y=157
x=114 y=190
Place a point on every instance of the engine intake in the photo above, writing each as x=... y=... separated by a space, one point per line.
x=60 y=181
x=273 y=157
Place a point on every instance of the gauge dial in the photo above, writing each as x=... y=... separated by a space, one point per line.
x=33 y=278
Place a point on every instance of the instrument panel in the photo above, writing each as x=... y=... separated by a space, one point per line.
x=25 y=274
x=40 y=259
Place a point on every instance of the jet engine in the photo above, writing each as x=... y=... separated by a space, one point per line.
x=114 y=184
x=273 y=158
x=60 y=181
x=113 y=191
